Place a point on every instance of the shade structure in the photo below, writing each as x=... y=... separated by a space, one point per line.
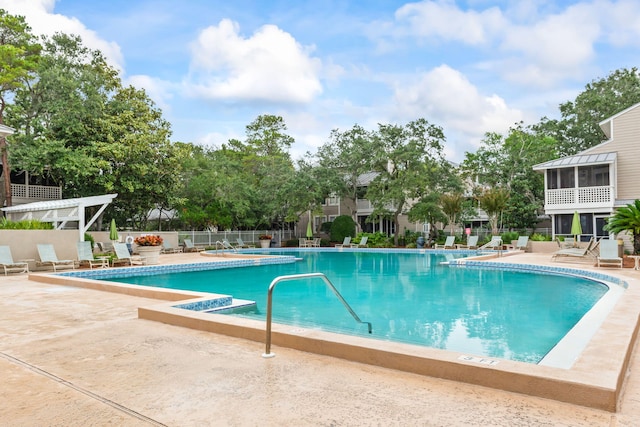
x=113 y=231
x=576 y=227
x=309 y=230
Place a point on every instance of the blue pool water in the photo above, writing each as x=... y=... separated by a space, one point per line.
x=411 y=298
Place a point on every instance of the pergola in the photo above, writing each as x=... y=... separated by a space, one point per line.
x=61 y=212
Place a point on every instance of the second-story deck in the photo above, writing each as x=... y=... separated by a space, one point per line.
x=579 y=198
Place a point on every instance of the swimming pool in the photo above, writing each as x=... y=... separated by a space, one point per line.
x=410 y=297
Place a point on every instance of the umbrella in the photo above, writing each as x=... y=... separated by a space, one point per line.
x=576 y=227
x=309 y=230
x=113 y=231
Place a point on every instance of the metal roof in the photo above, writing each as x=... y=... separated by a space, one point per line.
x=577 y=160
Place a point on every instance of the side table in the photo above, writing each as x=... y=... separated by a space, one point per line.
x=636 y=260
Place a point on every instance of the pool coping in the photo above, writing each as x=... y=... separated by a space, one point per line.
x=595 y=380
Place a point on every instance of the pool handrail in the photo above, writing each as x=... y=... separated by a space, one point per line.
x=279 y=279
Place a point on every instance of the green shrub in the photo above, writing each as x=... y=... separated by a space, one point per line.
x=375 y=240
x=325 y=227
x=537 y=237
x=89 y=238
x=509 y=236
x=342 y=227
x=25 y=224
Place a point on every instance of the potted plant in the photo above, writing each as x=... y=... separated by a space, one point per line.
x=149 y=248
x=265 y=240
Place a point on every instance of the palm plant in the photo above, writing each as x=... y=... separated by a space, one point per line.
x=493 y=202
x=451 y=205
x=627 y=219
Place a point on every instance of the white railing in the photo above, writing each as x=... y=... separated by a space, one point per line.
x=36 y=192
x=579 y=196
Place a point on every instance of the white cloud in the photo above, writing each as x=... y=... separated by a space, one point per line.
x=446 y=98
x=445 y=20
x=269 y=66
x=43 y=21
x=157 y=89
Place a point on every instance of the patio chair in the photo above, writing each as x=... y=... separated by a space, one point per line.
x=448 y=244
x=363 y=242
x=302 y=242
x=587 y=251
x=123 y=256
x=48 y=256
x=609 y=254
x=495 y=243
x=346 y=243
x=521 y=244
x=167 y=248
x=8 y=264
x=242 y=244
x=85 y=256
x=190 y=247
x=228 y=246
x=472 y=243
x=316 y=242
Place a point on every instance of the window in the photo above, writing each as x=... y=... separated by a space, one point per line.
x=593 y=176
x=332 y=200
x=567 y=178
x=561 y=178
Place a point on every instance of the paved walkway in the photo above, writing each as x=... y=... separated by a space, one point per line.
x=78 y=357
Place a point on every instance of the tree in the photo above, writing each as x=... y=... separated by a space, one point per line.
x=493 y=202
x=451 y=205
x=91 y=134
x=579 y=129
x=19 y=55
x=627 y=219
x=408 y=160
x=346 y=158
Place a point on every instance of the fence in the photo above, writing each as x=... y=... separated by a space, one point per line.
x=209 y=238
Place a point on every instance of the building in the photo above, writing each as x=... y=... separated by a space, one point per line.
x=597 y=181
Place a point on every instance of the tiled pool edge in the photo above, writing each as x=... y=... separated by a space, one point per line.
x=596 y=382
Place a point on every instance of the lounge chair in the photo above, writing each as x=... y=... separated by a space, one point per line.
x=228 y=246
x=242 y=244
x=472 y=243
x=346 y=243
x=609 y=254
x=167 y=248
x=85 y=256
x=123 y=256
x=48 y=256
x=495 y=243
x=577 y=252
x=9 y=265
x=448 y=244
x=363 y=242
x=190 y=247
x=521 y=244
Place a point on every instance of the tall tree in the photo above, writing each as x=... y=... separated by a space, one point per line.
x=452 y=206
x=347 y=157
x=578 y=128
x=494 y=202
x=408 y=160
x=19 y=55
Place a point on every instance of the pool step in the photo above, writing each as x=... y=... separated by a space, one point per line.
x=223 y=303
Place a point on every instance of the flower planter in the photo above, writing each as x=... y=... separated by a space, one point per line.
x=265 y=243
x=150 y=254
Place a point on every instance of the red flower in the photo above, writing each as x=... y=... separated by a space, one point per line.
x=148 y=240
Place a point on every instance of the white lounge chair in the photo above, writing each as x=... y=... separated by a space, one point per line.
x=495 y=243
x=167 y=248
x=521 y=244
x=48 y=256
x=123 y=256
x=609 y=254
x=346 y=243
x=190 y=247
x=9 y=265
x=577 y=252
x=448 y=244
x=242 y=244
x=363 y=242
x=85 y=256
x=472 y=243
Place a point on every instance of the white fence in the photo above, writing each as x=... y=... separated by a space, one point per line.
x=209 y=238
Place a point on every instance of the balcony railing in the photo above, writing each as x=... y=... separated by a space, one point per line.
x=35 y=192
x=583 y=196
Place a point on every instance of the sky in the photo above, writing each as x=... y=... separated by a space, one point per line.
x=470 y=67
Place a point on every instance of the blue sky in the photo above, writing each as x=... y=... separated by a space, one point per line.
x=470 y=67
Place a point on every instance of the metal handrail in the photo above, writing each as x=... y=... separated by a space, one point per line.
x=225 y=246
x=279 y=279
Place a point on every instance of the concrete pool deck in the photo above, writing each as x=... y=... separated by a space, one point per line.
x=72 y=356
